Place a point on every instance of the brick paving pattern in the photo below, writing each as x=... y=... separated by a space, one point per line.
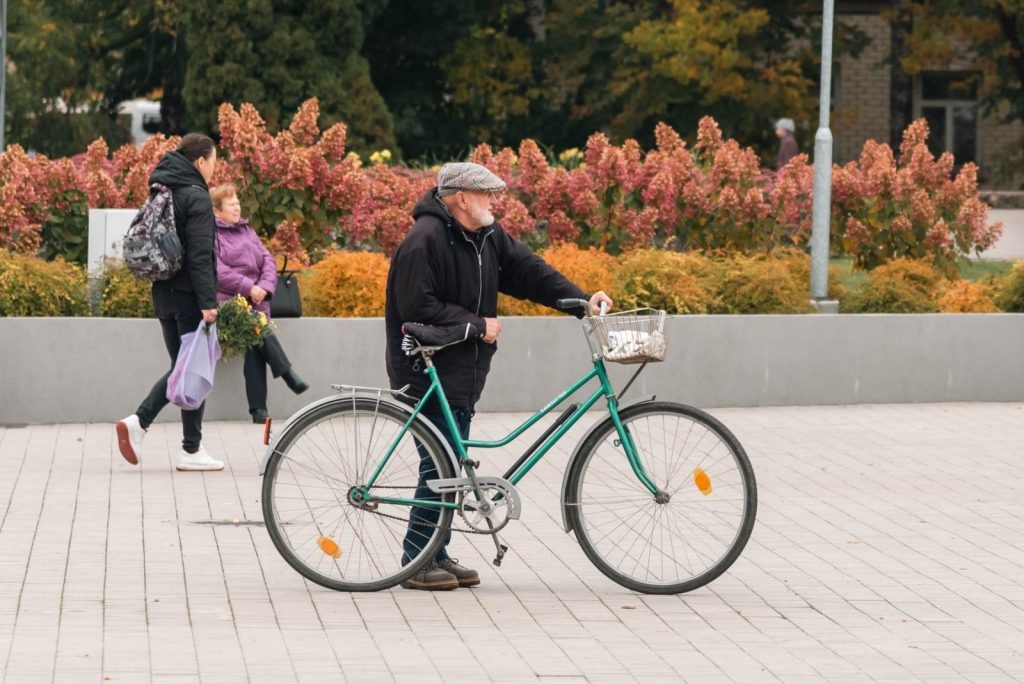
x=889 y=547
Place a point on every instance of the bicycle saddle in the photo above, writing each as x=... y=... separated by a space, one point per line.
x=417 y=335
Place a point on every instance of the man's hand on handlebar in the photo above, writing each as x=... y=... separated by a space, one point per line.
x=600 y=298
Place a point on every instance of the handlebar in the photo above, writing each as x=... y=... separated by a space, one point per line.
x=572 y=304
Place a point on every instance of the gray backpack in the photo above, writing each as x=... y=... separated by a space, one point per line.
x=151 y=248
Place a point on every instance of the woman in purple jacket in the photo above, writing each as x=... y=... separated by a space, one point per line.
x=246 y=267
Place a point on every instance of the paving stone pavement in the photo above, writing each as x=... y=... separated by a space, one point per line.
x=889 y=547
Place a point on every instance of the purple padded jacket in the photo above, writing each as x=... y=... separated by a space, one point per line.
x=243 y=261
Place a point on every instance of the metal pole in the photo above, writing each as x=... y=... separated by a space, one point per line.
x=822 y=208
x=3 y=73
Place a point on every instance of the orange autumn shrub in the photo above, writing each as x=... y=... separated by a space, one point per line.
x=964 y=296
x=345 y=284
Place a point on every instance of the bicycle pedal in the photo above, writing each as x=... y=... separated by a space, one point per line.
x=501 y=554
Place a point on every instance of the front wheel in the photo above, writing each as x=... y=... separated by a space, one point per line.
x=324 y=517
x=686 y=537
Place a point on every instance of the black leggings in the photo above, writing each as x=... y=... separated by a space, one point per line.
x=178 y=312
x=255 y=370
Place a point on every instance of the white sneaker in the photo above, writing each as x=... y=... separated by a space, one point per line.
x=129 y=438
x=201 y=460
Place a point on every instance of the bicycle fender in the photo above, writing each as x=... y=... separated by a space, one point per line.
x=272 y=447
x=576 y=452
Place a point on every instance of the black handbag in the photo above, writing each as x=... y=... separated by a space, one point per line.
x=286 y=302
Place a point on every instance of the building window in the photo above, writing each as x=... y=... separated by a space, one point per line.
x=948 y=101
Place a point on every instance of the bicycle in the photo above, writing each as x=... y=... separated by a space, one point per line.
x=660 y=496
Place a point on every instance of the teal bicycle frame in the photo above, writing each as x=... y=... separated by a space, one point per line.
x=434 y=390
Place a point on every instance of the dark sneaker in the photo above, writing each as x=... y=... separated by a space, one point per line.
x=432 y=578
x=465 y=576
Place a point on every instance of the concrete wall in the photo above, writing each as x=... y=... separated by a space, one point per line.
x=59 y=370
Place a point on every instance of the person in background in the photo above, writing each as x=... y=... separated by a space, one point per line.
x=185 y=299
x=246 y=267
x=448 y=271
x=788 y=147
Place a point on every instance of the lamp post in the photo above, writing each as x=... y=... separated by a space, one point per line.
x=3 y=73
x=822 y=193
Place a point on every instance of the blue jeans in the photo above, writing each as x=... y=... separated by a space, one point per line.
x=422 y=521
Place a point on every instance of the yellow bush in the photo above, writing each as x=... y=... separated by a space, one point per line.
x=1010 y=290
x=662 y=280
x=30 y=286
x=345 y=284
x=900 y=286
x=758 y=285
x=122 y=295
x=963 y=296
x=589 y=268
x=798 y=263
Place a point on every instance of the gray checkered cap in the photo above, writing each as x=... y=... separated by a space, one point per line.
x=466 y=176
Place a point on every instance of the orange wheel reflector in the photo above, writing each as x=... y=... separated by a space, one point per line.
x=329 y=546
x=703 y=482
x=266 y=432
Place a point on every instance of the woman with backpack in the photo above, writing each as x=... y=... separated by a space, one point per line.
x=184 y=299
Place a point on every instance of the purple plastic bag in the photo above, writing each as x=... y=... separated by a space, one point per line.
x=192 y=378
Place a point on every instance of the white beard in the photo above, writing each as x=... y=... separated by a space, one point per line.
x=484 y=218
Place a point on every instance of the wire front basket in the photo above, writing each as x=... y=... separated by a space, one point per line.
x=635 y=336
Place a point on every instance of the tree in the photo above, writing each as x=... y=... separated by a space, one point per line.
x=276 y=54
x=72 y=62
x=985 y=37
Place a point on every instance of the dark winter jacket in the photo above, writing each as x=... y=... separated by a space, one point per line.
x=243 y=261
x=193 y=217
x=444 y=275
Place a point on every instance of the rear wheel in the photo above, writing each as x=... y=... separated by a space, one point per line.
x=673 y=543
x=314 y=495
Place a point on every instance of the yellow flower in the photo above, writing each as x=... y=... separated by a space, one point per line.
x=571 y=154
x=380 y=157
x=263 y=318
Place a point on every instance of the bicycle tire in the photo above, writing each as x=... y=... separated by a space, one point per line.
x=314 y=525
x=675 y=546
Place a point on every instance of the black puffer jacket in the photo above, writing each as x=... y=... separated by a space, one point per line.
x=444 y=275
x=193 y=218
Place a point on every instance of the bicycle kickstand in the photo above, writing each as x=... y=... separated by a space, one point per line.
x=500 y=548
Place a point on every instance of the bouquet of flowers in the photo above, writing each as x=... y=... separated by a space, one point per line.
x=239 y=327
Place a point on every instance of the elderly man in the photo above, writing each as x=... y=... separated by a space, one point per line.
x=784 y=128
x=447 y=271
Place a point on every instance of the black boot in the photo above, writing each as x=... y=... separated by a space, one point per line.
x=294 y=382
x=259 y=416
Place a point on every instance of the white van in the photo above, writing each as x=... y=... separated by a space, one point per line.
x=141 y=118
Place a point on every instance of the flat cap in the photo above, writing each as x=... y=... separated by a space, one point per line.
x=786 y=125
x=466 y=176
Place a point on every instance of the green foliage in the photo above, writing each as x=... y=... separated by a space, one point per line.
x=900 y=286
x=277 y=55
x=122 y=295
x=30 y=286
x=662 y=280
x=757 y=285
x=1010 y=290
x=557 y=70
x=65 y=231
x=239 y=328
x=74 y=60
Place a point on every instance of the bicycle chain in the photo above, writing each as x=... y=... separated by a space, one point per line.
x=424 y=523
